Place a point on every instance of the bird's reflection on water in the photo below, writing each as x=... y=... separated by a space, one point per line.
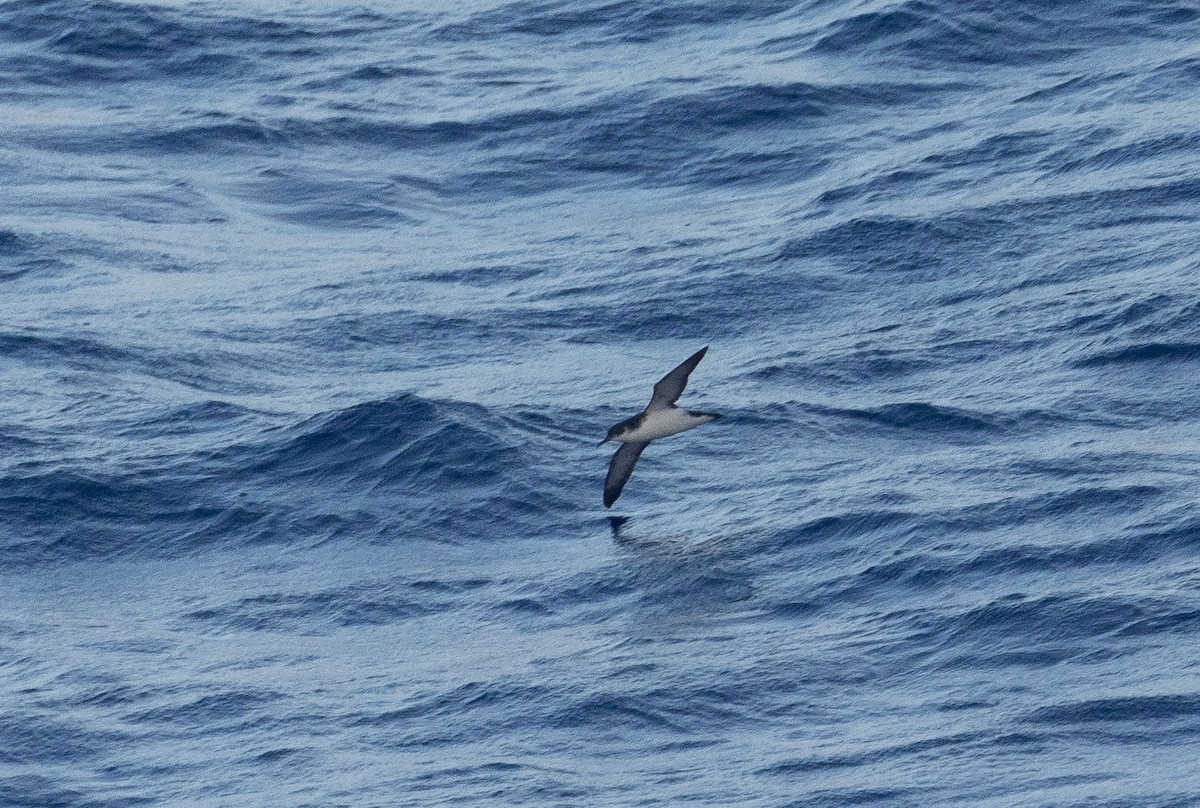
x=671 y=568
x=616 y=524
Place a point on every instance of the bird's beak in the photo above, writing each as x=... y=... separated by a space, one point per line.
x=601 y=443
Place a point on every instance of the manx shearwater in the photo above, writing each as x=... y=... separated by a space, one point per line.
x=660 y=419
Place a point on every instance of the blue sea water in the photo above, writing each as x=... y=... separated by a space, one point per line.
x=311 y=315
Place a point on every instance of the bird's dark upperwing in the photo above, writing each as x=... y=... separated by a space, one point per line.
x=670 y=387
x=620 y=468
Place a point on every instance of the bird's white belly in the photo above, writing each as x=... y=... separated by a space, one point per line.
x=661 y=423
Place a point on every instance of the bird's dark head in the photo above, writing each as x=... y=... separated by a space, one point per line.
x=612 y=435
x=628 y=425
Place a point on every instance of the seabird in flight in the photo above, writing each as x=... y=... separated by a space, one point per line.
x=660 y=419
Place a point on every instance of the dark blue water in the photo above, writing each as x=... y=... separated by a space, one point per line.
x=311 y=317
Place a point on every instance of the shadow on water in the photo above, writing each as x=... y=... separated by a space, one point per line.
x=679 y=574
x=617 y=524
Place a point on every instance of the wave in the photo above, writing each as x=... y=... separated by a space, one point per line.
x=1035 y=515
x=79 y=353
x=1157 y=710
x=23 y=254
x=945 y=34
x=369 y=472
x=922 y=247
x=616 y=20
x=379 y=602
x=910 y=419
x=400 y=442
x=1139 y=353
x=108 y=42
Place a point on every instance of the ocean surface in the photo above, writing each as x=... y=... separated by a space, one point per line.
x=312 y=314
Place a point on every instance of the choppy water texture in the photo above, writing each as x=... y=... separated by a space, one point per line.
x=311 y=316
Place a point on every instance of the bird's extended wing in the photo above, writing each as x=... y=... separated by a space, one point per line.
x=670 y=387
x=620 y=468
